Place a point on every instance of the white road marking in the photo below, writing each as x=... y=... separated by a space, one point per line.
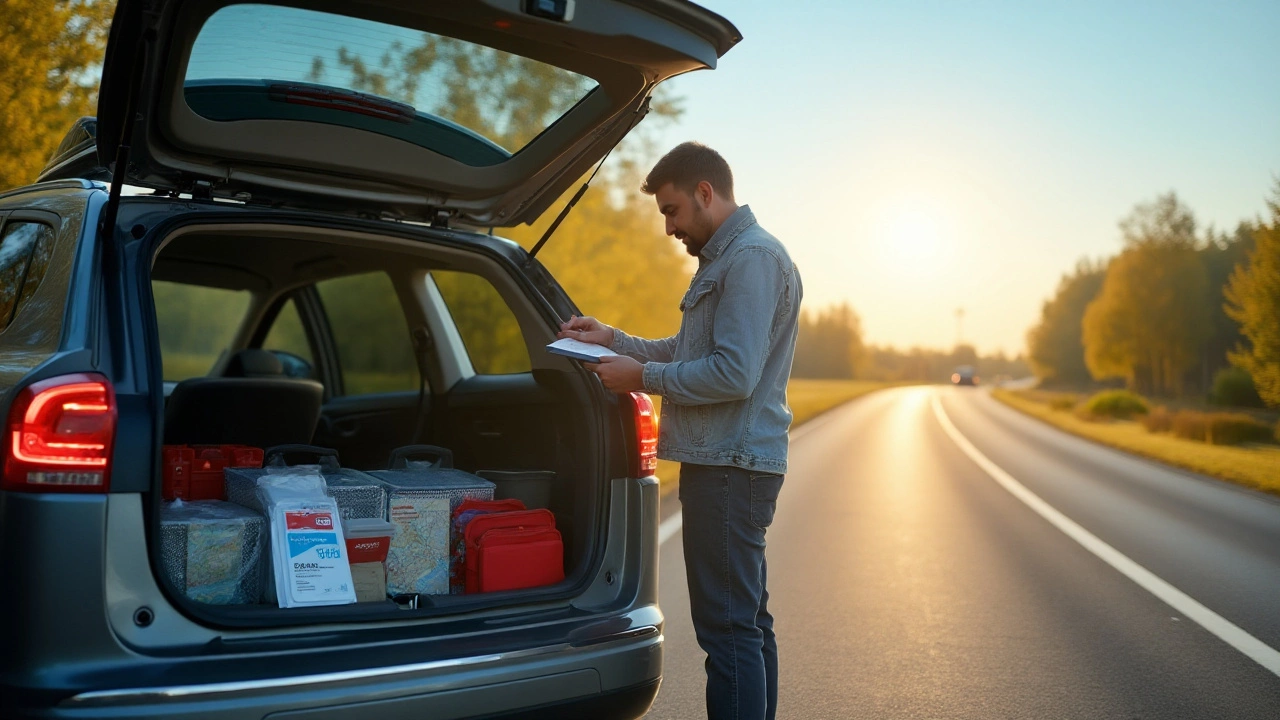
x=670 y=527
x=1224 y=629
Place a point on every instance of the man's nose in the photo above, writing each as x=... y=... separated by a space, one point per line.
x=671 y=227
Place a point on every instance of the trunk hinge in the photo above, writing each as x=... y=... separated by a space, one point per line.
x=639 y=115
x=202 y=190
x=440 y=218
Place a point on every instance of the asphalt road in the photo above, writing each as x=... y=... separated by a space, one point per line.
x=907 y=582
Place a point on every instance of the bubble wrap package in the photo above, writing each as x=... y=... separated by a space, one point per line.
x=213 y=550
x=424 y=495
x=358 y=495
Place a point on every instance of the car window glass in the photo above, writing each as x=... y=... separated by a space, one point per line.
x=488 y=327
x=464 y=100
x=196 y=325
x=288 y=335
x=18 y=244
x=40 y=255
x=375 y=350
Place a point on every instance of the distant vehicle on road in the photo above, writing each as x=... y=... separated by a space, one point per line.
x=964 y=375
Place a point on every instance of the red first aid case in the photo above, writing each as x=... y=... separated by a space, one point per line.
x=513 y=550
x=462 y=515
x=195 y=472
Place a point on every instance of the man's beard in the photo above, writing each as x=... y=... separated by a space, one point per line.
x=699 y=234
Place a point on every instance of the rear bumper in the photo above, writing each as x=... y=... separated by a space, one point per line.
x=65 y=658
x=624 y=704
x=617 y=675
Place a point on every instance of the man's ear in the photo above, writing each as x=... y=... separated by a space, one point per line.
x=705 y=194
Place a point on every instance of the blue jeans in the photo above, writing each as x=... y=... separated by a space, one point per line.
x=726 y=510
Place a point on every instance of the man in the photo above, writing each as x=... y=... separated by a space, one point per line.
x=723 y=381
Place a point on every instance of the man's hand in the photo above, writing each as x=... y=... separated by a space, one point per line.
x=619 y=373
x=586 y=329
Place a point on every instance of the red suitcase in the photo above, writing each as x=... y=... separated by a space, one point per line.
x=513 y=550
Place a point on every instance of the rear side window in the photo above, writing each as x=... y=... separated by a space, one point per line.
x=25 y=249
x=288 y=335
x=196 y=325
x=369 y=327
x=488 y=327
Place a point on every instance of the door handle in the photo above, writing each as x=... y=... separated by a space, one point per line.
x=344 y=428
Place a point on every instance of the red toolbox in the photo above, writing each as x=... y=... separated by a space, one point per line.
x=195 y=472
x=513 y=550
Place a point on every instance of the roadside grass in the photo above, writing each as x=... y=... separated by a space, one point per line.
x=1255 y=466
x=808 y=399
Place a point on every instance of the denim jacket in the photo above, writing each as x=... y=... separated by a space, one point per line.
x=723 y=377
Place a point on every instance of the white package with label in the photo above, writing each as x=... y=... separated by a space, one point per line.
x=309 y=556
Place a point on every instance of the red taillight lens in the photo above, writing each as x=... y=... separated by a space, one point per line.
x=646 y=436
x=60 y=436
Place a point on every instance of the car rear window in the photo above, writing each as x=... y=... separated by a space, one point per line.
x=463 y=100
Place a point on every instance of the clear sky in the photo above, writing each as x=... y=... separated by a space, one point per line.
x=916 y=157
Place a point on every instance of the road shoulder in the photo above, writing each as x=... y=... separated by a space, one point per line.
x=1257 y=468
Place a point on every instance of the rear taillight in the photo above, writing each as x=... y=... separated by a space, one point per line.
x=646 y=459
x=60 y=435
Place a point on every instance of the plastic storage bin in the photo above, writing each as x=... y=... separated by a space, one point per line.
x=368 y=541
x=358 y=494
x=531 y=487
x=421 y=498
x=195 y=472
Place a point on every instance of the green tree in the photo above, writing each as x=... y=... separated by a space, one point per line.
x=49 y=50
x=1055 y=344
x=1253 y=300
x=1151 y=317
x=829 y=344
x=1222 y=254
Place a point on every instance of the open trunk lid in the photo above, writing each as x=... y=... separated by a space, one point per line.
x=483 y=110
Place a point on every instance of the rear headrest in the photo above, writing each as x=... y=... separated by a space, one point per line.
x=254 y=363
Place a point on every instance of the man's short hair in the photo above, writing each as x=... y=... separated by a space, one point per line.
x=687 y=165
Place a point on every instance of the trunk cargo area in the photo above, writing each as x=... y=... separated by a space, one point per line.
x=340 y=406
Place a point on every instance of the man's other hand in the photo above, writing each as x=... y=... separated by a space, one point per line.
x=619 y=373
x=586 y=329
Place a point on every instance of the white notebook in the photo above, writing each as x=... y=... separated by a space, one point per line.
x=578 y=350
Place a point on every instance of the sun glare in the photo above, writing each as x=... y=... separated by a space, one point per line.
x=914 y=234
